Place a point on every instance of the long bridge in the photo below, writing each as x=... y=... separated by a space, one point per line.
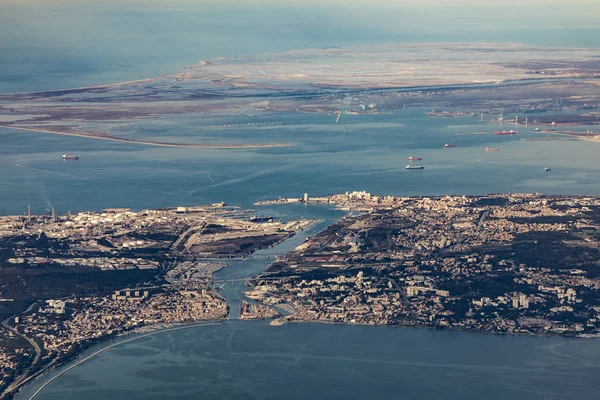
x=213 y=257
x=199 y=284
x=243 y=280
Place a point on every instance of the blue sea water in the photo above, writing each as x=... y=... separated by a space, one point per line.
x=251 y=360
x=55 y=45
x=367 y=152
x=58 y=44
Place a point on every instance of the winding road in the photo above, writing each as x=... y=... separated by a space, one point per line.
x=38 y=352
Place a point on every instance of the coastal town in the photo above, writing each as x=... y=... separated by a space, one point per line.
x=503 y=263
x=507 y=263
x=69 y=281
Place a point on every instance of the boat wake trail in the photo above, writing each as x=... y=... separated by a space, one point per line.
x=252 y=176
x=53 y=172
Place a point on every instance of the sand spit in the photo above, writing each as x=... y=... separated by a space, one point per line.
x=102 y=136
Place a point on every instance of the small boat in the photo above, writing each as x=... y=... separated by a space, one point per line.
x=414 y=158
x=547 y=169
x=67 y=157
x=448 y=145
x=536 y=129
x=414 y=166
x=488 y=149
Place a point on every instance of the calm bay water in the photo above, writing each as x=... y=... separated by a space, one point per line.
x=54 y=46
x=251 y=360
x=360 y=153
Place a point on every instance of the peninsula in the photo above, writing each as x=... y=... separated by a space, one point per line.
x=506 y=263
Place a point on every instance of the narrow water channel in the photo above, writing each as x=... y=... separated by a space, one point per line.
x=257 y=263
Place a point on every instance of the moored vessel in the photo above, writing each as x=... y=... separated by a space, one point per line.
x=414 y=166
x=504 y=133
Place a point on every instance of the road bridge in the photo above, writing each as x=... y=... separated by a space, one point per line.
x=216 y=281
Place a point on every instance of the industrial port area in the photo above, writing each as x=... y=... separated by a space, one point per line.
x=507 y=263
x=69 y=281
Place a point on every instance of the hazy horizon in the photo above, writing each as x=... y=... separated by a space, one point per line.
x=101 y=42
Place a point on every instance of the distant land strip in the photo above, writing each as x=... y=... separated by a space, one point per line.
x=102 y=136
x=81 y=88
